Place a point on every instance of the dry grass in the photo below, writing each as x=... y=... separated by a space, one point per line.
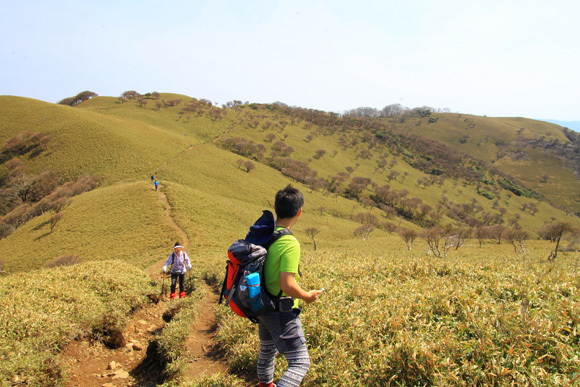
x=480 y=317
x=41 y=312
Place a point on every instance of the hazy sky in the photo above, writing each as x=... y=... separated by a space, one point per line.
x=484 y=57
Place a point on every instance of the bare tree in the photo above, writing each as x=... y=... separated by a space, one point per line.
x=311 y=232
x=364 y=231
x=555 y=231
x=517 y=238
x=319 y=153
x=408 y=237
x=249 y=166
x=433 y=236
x=54 y=220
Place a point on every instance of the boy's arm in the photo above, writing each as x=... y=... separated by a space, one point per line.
x=289 y=286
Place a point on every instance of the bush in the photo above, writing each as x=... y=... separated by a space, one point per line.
x=63 y=260
x=485 y=193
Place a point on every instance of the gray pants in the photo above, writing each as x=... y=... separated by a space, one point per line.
x=282 y=332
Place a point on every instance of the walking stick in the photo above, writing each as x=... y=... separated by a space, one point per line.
x=189 y=288
x=163 y=285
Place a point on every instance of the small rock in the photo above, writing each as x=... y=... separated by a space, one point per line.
x=113 y=365
x=142 y=322
x=120 y=374
x=137 y=346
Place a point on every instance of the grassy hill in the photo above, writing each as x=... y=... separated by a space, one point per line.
x=520 y=147
x=186 y=147
x=353 y=172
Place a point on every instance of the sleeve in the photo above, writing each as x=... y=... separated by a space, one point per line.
x=186 y=259
x=168 y=262
x=290 y=257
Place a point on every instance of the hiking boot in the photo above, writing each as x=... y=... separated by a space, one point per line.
x=172 y=295
x=181 y=294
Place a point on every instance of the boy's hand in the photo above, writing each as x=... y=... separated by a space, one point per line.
x=312 y=296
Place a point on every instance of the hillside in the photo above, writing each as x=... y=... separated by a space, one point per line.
x=459 y=305
x=358 y=172
x=537 y=153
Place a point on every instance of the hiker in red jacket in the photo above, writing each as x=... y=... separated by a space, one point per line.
x=179 y=262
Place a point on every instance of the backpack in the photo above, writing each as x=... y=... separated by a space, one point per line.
x=173 y=256
x=251 y=299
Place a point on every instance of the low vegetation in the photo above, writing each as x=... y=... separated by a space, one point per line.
x=477 y=318
x=41 y=312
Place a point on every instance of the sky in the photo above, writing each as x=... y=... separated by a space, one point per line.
x=500 y=58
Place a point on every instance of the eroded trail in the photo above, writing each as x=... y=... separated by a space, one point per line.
x=201 y=345
x=135 y=360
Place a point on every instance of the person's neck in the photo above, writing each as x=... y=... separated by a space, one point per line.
x=285 y=222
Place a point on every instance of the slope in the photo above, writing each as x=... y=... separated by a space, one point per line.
x=523 y=148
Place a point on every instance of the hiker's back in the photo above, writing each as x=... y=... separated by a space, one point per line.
x=283 y=256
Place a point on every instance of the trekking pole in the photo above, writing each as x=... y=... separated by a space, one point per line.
x=163 y=284
x=190 y=287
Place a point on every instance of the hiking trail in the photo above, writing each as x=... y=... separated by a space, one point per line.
x=136 y=362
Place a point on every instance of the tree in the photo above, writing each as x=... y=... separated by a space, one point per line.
x=554 y=232
x=311 y=232
x=54 y=220
x=319 y=153
x=408 y=236
x=130 y=94
x=517 y=238
x=433 y=237
x=364 y=231
x=80 y=97
x=249 y=166
x=393 y=110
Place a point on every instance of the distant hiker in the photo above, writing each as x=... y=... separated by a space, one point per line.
x=281 y=330
x=152 y=177
x=156 y=184
x=178 y=260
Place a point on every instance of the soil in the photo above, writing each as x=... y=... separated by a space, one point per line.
x=135 y=361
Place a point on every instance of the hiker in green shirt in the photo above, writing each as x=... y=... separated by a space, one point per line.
x=281 y=330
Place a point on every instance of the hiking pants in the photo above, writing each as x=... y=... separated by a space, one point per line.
x=282 y=332
x=174 y=277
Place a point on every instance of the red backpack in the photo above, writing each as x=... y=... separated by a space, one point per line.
x=246 y=258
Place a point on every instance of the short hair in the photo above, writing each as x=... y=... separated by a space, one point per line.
x=288 y=202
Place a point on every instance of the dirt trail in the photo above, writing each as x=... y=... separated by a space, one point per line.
x=136 y=362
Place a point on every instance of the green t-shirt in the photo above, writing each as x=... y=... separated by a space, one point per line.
x=283 y=256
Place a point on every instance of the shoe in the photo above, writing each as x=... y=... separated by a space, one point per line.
x=172 y=295
x=181 y=294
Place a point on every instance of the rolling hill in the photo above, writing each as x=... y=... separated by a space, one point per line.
x=75 y=186
x=389 y=173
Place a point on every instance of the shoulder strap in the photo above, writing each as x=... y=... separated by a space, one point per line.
x=276 y=236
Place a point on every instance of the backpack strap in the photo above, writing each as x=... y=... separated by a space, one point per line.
x=275 y=237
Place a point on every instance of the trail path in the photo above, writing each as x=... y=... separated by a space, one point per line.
x=136 y=362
